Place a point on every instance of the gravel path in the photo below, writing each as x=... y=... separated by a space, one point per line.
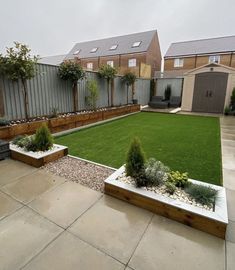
x=79 y=171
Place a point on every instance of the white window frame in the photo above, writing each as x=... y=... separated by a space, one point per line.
x=178 y=62
x=110 y=63
x=89 y=66
x=93 y=50
x=113 y=47
x=136 y=44
x=132 y=62
x=214 y=59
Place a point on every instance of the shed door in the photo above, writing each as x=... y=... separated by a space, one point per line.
x=209 y=92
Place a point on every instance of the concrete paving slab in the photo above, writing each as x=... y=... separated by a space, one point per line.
x=113 y=226
x=230 y=232
x=7 y=205
x=68 y=252
x=230 y=194
x=229 y=143
x=229 y=161
x=22 y=235
x=230 y=255
x=64 y=204
x=171 y=245
x=228 y=136
x=28 y=187
x=228 y=150
x=229 y=179
x=10 y=170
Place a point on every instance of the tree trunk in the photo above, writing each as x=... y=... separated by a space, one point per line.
x=25 y=95
x=75 y=96
x=133 y=90
x=127 y=90
x=108 y=91
x=112 y=92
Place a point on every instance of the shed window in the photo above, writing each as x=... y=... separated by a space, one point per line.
x=132 y=63
x=136 y=44
x=113 y=47
x=94 y=50
x=178 y=62
x=214 y=59
x=89 y=66
x=110 y=63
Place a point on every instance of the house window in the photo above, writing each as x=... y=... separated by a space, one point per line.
x=178 y=62
x=113 y=47
x=110 y=63
x=94 y=50
x=76 y=52
x=89 y=66
x=214 y=59
x=132 y=63
x=136 y=44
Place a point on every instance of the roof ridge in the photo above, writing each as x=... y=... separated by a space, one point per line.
x=93 y=40
x=186 y=41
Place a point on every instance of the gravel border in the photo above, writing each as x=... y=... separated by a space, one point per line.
x=83 y=172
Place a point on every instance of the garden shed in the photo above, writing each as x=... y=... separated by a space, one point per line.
x=208 y=88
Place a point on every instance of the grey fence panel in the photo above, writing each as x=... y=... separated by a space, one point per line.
x=175 y=83
x=47 y=91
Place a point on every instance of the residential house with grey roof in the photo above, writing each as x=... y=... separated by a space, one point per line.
x=187 y=55
x=139 y=52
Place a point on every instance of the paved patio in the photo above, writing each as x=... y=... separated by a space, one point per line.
x=49 y=223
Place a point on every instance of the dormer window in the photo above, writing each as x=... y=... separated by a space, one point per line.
x=113 y=47
x=94 y=50
x=178 y=62
x=136 y=44
x=214 y=59
x=76 y=52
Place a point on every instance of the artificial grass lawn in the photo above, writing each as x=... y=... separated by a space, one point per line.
x=185 y=143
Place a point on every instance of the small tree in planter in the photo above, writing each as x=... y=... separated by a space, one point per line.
x=232 y=102
x=168 y=92
x=107 y=72
x=129 y=79
x=72 y=71
x=135 y=163
x=19 y=65
x=43 y=138
x=93 y=96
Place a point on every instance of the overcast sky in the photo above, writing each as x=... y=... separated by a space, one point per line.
x=52 y=27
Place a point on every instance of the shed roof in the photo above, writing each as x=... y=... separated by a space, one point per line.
x=124 y=45
x=202 y=46
x=52 y=60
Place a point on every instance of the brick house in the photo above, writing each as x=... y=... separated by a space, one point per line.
x=187 y=55
x=139 y=52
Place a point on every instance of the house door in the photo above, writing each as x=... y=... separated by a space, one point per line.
x=209 y=92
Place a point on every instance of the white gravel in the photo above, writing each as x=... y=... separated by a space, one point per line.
x=82 y=172
x=179 y=194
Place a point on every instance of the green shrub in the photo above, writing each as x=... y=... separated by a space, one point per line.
x=178 y=179
x=54 y=112
x=140 y=178
x=202 y=194
x=30 y=144
x=135 y=158
x=167 y=92
x=18 y=139
x=93 y=96
x=4 y=122
x=232 y=102
x=43 y=138
x=156 y=172
x=170 y=187
x=227 y=110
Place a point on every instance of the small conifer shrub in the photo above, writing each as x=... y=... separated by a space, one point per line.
x=43 y=138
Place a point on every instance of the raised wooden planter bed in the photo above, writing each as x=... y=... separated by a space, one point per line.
x=64 y=123
x=37 y=160
x=214 y=223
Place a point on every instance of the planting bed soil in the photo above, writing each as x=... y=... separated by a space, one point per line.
x=213 y=222
x=79 y=171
